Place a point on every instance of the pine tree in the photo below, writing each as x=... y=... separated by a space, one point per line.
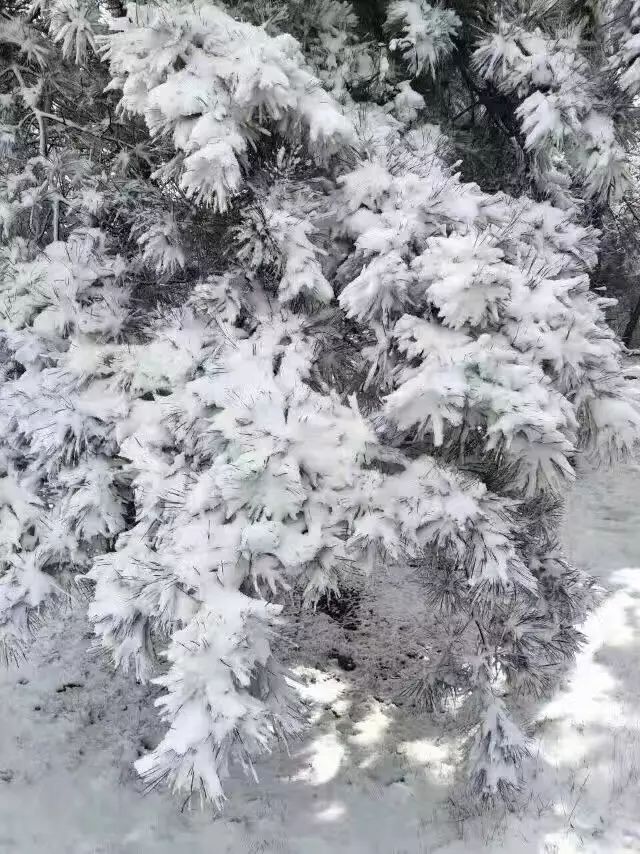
x=258 y=330
x=541 y=57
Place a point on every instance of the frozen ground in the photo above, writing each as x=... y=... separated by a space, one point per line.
x=367 y=779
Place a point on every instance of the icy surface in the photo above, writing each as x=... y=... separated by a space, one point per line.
x=367 y=778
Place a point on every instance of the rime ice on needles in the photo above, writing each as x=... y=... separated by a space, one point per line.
x=427 y=33
x=58 y=416
x=72 y=23
x=498 y=749
x=259 y=338
x=564 y=111
x=215 y=84
x=474 y=302
x=621 y=25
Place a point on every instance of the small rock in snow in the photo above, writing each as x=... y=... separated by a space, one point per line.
x=67 y=686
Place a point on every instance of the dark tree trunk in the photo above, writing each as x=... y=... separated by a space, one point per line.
x=117 y=8
x=634 y=317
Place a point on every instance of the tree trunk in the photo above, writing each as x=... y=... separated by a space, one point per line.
x=632 y=323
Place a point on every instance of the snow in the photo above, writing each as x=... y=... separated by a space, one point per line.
x=248 y=466
x=366 y=777
x=234 y=77
x=558 y=113
x=427 y=32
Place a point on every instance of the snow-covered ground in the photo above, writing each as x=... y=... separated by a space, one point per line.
x=368 y=778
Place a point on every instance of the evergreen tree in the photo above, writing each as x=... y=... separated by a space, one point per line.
x=257 y=330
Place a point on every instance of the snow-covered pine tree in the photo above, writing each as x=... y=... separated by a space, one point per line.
x=470 y=300
x=617 y=27
x=542 y=57
x=620 y=21
x=318 y=348
x=72 y=181
x=61 y=302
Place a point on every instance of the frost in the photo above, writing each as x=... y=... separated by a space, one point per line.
x=427 y=33
x=560 y=114
x=233 y=77
x=263 y=346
